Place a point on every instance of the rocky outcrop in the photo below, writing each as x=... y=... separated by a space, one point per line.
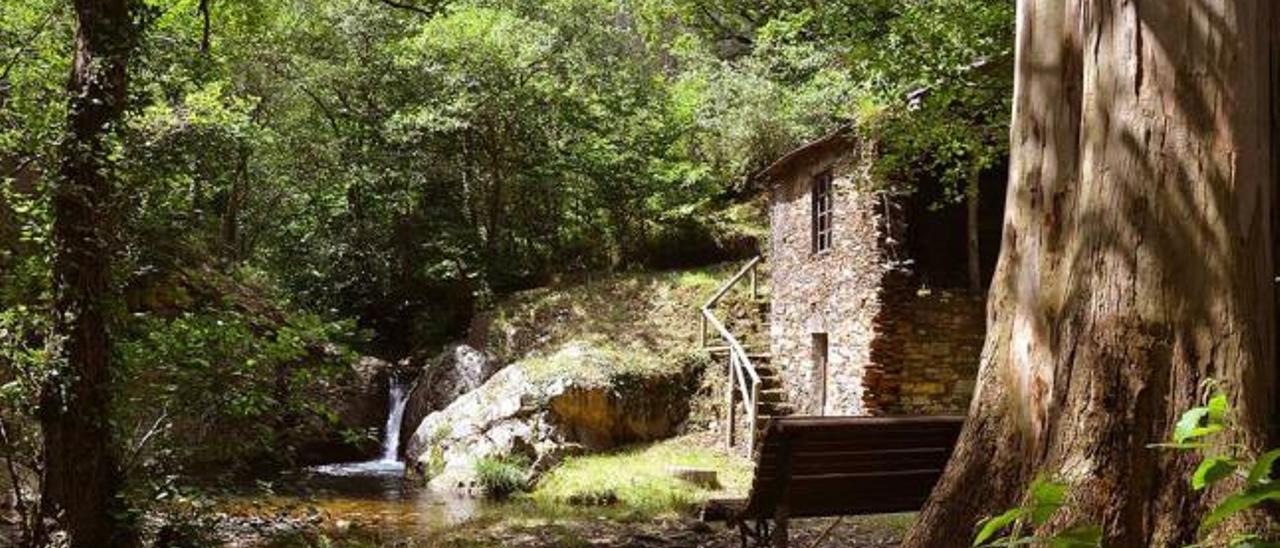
x=359 y=402
x=580 y=398
x=455 y=371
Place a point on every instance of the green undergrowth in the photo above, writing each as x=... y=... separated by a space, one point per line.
x=635 y=314
x=501 y=477
x=597 y=364
x=636 y=482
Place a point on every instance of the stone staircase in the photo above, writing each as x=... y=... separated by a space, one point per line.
x=757 y=389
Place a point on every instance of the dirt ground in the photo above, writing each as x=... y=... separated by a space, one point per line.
x=856 y=532
x=868 y=532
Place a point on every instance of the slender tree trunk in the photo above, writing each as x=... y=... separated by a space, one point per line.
x=81 y=473
x=1137 y=262
x=16 y=481
x=231 y=213
x=972 y=203
x=205 y=26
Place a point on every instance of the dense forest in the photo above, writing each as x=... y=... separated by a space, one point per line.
x=294 y=182
x=223 y=223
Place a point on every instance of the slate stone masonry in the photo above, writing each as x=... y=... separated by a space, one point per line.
x=894 y=346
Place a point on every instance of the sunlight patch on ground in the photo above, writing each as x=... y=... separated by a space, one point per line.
x=638 y=480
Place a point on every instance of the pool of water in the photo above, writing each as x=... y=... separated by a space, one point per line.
x=372 y=494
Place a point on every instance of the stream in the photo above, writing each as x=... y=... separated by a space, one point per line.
x=372 y=493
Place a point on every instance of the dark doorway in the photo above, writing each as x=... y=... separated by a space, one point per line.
x=820 y=373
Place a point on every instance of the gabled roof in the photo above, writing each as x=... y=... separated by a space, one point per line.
x=842 y=138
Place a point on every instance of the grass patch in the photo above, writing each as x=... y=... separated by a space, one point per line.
x=636 y=483
x=500 y=477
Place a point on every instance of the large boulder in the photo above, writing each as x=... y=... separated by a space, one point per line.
x=455 y=371
x=580 y=398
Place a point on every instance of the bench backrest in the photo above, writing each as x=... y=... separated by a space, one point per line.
x=830 y=466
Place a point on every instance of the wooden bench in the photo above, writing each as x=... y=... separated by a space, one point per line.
x=809 y=467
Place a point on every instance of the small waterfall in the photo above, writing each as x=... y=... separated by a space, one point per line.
x=389 y=463
x=395 y=414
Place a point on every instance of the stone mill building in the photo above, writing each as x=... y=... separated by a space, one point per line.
x=877 y=288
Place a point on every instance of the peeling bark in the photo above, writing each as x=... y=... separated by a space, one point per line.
x=1137 y=262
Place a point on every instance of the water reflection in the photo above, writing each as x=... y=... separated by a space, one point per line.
x=374 y=493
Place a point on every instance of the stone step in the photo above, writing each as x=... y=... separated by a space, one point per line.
x=762 y=357
x=775 y=409
x=763 y=420
x=773 y=395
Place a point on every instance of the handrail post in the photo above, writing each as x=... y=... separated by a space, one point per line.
x=751 y=413
x=755 y=293
x=730 y=421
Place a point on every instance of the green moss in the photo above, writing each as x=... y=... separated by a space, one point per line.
x=648 y=312
x=435 y=453
x=597 y=363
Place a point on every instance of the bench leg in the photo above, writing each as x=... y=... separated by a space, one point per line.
x=780 y=516
x=753 y=538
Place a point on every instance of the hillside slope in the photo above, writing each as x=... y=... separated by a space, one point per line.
x=572 y=367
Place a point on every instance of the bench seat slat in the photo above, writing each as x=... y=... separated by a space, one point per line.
x=870 y=492
x=802 y=469
x=846 y=466
x=869 y=441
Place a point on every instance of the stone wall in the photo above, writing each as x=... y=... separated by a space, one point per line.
x=834 y=292
x=934 y=339
x=894 y=347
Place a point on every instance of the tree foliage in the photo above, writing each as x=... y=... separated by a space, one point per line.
x=401 y=163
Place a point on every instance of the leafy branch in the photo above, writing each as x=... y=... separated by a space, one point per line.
x=1194 y=432
x=1044 y=499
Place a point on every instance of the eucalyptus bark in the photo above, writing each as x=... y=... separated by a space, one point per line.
x=82 y=478
x=1137 y=261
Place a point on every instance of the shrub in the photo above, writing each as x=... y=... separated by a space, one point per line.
x=593 y=497
x=500 y=477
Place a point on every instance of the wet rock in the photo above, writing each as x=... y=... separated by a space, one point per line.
x=359 y=401
x=581 y=395
x=455 y=371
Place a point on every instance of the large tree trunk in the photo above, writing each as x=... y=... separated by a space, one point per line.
x=1137 y=261
x=81 y=474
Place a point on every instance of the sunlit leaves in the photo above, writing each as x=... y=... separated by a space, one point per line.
x=1020 y=525
x=1197 y=430
x=1211 y=470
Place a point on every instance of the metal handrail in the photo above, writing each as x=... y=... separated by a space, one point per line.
x=749 y=268
x=740 y=366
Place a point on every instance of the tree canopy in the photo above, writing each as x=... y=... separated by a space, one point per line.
x=371 y=172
